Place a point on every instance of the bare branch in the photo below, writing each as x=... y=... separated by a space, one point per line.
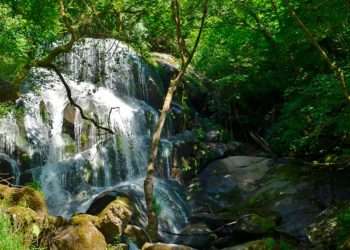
x=73 y=103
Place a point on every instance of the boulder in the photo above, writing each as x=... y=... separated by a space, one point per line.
x=330 y=228
x=230 y=180
x=196 y=236
x=213 y=221
x=24 y=197
x=264 y=244
x=246 y=228
x=114 y=218
x=120 y=246
x=234 y=185
x=253 y=245
x=83 y=235
x=253 y=224
x=136 y=234
x=164 y=246
x=27 y=222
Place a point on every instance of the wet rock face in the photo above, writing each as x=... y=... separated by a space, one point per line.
x=244 y=185
x=233 y=177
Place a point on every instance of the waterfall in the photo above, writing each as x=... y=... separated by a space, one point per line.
x=77 y=161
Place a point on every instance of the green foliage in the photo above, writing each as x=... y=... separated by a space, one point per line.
x=343 y=229
x=156 y=206
x=10 y=239
x=34 y=185
x=7 y=108
x=314 y=118
x=283 y=245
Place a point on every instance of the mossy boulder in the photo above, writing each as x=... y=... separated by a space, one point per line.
x=331 y=230
x=120 y=246
x=26 y=221
x=241 y=185
x=231 y=180
x=27 y=210
x=84 y=218
x=114 y=218
x=80 y=235
x=255 y=224
x=164 y=246
x=23 y=197
x=253 y=245
x=264 y=244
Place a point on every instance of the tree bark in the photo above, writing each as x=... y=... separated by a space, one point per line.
x=152 y=226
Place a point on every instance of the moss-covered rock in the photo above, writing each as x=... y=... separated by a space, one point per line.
x=114 y=218
x=26 y=221
x=120 y=246
x=253 y=245
x=239 y=185
x=82 y=235
x=27 y=210
x=263 y=244
x=164 y=246
x=256 y=224
x=84 y=218
x=24 y=197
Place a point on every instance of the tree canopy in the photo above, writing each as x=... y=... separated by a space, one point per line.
x=260 y=66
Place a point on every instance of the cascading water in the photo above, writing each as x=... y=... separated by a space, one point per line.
x=77 y=162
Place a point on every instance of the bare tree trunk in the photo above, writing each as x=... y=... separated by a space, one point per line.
x=338 y=72
x=152 y=226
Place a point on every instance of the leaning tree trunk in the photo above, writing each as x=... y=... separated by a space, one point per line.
x=149 y=182
x=152 y=226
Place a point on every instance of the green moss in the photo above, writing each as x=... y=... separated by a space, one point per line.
x=9 y=107
x=290 y=172
x=272 y=244
x=70 y=149
x=343 y=228
x=25 y=159
x=84 y=139
x=10 y=238
x=156 y=206
x=265 y=223
x=34 y=185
